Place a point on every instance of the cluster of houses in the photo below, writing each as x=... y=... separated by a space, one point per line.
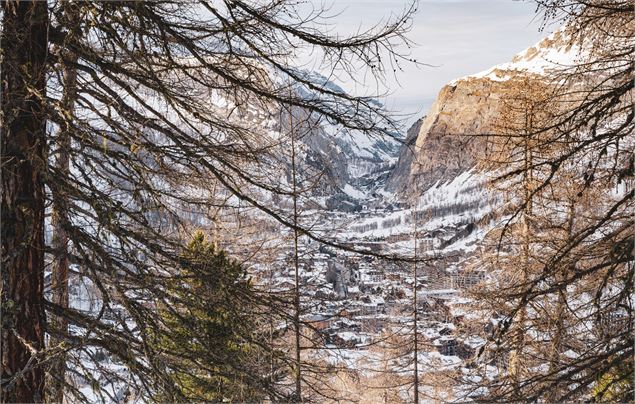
x=352 y=299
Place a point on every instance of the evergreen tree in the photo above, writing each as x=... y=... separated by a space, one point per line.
x=209 y=342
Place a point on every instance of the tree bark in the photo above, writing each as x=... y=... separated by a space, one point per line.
x=24 y=49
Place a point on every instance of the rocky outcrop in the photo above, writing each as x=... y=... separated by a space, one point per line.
x=401 y=173
x=451 y=139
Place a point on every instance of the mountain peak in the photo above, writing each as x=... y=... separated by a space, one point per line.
x=559 y=50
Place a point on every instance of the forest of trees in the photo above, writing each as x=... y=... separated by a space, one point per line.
x=564 y=262
x=118 y=170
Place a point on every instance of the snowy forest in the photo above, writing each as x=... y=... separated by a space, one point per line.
x=210 y=201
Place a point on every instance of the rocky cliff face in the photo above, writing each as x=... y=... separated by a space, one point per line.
x=337 y=167
x=443 y=147
x=401 y=173
x=353 y=164
x=451 y=138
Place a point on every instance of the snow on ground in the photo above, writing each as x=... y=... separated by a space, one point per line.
x=459 y=202
x=353 y=192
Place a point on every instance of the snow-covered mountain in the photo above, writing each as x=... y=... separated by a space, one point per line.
x=448 y=140
x=338 y=166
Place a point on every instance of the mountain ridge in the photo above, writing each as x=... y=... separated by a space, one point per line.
x=450 y=138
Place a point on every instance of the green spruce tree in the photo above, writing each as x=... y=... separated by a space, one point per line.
x=209 y=342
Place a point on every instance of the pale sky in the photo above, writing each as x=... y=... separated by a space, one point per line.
x=461 y=37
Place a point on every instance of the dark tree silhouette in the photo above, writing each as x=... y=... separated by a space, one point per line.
x=127 y=118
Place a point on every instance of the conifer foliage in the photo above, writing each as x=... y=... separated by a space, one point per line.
x=208 y=342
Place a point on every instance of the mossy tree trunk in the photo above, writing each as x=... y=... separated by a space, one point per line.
x=24 y=49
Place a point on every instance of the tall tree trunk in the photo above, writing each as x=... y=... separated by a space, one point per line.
x=559 y=328
x=296 y=300
x=59 y=217
x=517 y=360
x=415 y=330
x=59 y=267
x=24 y=49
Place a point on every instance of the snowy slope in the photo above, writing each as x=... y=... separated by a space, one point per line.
x=557 y=51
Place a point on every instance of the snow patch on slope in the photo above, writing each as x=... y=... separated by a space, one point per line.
x=557 y=51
